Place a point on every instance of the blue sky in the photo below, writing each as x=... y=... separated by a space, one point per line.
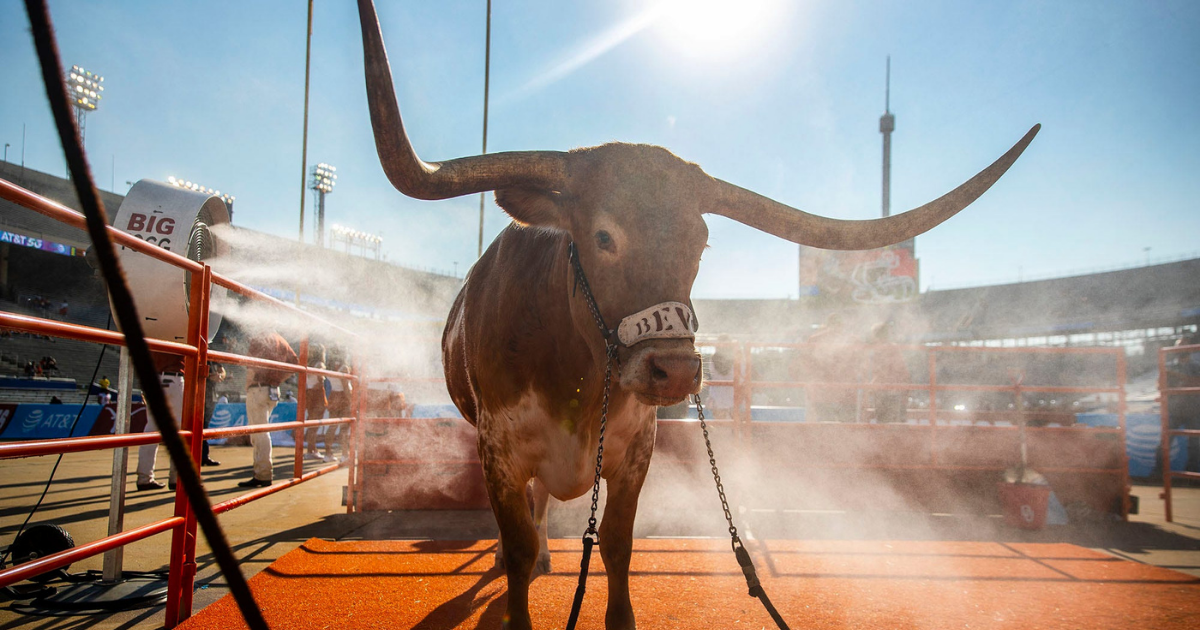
x=785 y=101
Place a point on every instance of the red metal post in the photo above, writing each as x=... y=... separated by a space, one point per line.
x=352 y=469
x=743 y=391
x=359 y=464
x=1165 y=434
x=301 y=406
x=933 y=458
x=195 y=373
x=1124 y=454
x=350 y=441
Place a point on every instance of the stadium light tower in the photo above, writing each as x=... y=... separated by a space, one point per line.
x=351 y=237
x=86 y=90
x=190 y=185
x=324 y=177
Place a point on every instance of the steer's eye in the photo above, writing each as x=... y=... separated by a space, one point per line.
x=605 y=241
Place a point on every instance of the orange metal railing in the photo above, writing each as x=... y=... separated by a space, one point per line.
x=935 y=419
x=196 y=355
x=1166 y=391
x=934 y=366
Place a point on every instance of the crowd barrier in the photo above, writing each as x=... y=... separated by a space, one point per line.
x=196 y=355
x=1179 y=391
x=938 y=459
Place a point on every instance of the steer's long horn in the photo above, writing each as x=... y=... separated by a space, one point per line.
x=440 y=180
x=801 y=227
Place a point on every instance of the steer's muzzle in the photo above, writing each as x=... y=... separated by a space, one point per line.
x=662 y=373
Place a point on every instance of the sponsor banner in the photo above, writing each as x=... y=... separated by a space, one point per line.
x=234 y=415
x=876 y=276
x=1143 y=441
x=41 y=422
x=37 y=243
x=106 y=420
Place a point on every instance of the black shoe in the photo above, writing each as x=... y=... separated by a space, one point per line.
x=210 y=462
x=170 y=485
x=253 y=482
x=152 y=485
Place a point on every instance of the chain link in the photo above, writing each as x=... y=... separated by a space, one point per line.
x=591 y=536
x=712 y=462
x=612 y=355
x=610 y=359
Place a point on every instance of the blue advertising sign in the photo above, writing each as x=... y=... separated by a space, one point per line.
x=234 y=415
x=1143 y=441
x=41 y=422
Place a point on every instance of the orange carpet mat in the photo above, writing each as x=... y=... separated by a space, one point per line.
x=691 y=583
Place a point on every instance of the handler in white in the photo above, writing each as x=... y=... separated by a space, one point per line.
x=172 y=384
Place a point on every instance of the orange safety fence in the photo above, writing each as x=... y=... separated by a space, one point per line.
x=938 y=450
x=1186 y=388
x=962 y=449
x=196 y=357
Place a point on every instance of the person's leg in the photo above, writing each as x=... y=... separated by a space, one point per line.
x=258 y=411
x=332 y=433
x=337 y=409
x=315 y=411
x=209 y=405
x=173 y=389
x=147 y=454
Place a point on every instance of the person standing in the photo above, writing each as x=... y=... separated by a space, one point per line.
x=262 y=394
x=339 y=407
x=105 y=394
x=216 y=374
x=170 y=377
x=315 y=401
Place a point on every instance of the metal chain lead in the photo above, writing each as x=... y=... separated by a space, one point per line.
x=610 y=352
x=612 y=355
x=591 y=536
x=739 y=550
x=712 y=462
x=581 y=281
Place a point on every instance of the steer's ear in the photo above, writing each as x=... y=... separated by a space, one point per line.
x=530 y=206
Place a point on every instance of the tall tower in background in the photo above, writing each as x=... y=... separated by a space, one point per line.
x=887 y=124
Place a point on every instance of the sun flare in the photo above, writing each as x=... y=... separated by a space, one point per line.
x=718 y=28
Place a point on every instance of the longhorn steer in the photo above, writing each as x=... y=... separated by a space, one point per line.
x=525 y=360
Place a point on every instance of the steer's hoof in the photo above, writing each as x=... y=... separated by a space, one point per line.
x=543 y=564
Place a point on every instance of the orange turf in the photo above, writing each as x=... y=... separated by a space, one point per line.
x=694 y=583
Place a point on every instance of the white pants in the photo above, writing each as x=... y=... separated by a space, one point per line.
x=258 y=411
x=172 y=385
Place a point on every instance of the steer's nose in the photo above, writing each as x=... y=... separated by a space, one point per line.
x=674 y=375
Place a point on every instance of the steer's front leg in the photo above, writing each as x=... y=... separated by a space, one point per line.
x=616 y=531
x=506 y=490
